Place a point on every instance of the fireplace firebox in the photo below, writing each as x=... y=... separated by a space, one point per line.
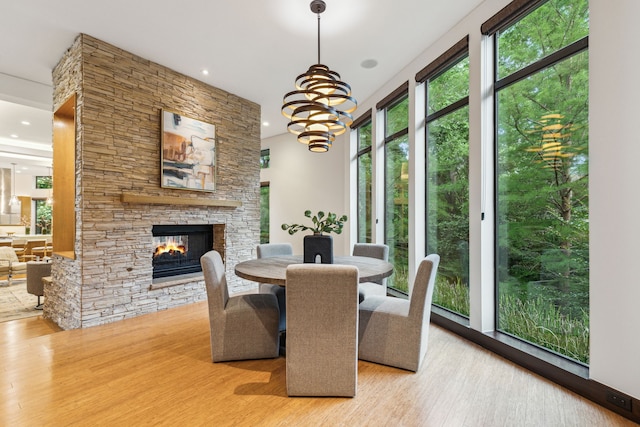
x=177 y=248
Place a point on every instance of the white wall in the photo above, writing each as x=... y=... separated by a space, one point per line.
x=614 y=176
x=25 y=92
x=25 y=186
x=301 y=180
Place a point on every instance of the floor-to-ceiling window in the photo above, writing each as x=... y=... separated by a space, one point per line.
x=265 y=159
x=264 y=212
x=396 y=186
x=542 y=218
x=446 y=82
x=364 y=170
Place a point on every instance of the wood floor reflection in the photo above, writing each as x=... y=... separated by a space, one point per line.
x=156 y=370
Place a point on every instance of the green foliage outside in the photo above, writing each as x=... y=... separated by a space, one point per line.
x=542 y=187
x=536 y=319
x=265 y=158
x=44 y=217
x=448 y=186
x=397 y=192
x=44 y=182
x=364 y=184
x=452 y=295
x=264 y=214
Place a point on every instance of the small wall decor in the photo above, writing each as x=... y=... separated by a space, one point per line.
x=188 y=150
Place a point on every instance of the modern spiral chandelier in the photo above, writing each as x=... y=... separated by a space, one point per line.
x=320 y=108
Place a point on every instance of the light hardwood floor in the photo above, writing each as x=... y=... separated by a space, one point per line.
x=156 y=370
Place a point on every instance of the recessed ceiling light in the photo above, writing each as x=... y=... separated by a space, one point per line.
x=369 y=63
x=205 y=72
x=25 y=122
x=13 y=135
x=265 y=123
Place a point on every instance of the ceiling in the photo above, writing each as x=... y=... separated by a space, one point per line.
x=251 y=48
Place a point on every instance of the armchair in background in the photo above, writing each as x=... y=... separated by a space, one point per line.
x=36 y=270
x=9 y=263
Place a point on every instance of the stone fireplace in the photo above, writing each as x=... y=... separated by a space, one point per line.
x=177 y=248
x=118 y=194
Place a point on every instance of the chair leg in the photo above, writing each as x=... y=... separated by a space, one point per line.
x=39 y=306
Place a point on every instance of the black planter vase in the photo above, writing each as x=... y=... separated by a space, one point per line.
x=318 y=244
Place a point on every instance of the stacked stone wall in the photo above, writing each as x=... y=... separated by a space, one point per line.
x=120 y=97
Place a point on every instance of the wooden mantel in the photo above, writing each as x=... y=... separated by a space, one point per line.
x=172 y=200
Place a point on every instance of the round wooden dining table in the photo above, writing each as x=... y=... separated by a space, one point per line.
x=274 y=269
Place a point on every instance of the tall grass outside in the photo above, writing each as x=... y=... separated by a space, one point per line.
x=535 y=320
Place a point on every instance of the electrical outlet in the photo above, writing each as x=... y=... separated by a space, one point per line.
x=619 y=400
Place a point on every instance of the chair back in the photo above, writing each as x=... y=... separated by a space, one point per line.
x=372 y=250
x=18 y=243
x=421 y=294
x=36 y=270
x=9 y=254
x=322 y=330
x=28 y=248
x=215 y=282
x=267 y=250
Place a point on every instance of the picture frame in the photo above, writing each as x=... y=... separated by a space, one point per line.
x=188 y=152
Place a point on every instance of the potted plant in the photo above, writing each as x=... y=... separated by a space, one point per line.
x=26 y=221
x=318 y=244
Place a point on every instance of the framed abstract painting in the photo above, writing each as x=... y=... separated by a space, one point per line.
x=188 y=153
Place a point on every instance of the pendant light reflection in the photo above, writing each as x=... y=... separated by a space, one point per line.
x=320 y=108
x=13 y=201
x=50 y=196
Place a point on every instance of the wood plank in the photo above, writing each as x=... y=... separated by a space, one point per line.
x=172 y=200
x=64 y=178
x=156 y=369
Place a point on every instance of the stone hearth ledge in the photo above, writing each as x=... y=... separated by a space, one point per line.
x=165 y=282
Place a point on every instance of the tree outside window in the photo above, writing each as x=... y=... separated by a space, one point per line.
x=542 y=216
x=448 y=183
x=397 y=192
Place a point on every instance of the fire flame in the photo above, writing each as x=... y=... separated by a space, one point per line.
x=169 y=246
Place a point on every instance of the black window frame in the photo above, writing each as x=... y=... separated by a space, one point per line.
x=449 y=59
x=362 y=121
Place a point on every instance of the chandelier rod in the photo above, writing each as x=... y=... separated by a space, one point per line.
x=318 y=37
x=318 y=6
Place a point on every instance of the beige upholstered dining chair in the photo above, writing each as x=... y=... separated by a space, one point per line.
x=242 y=326
x=267 y=250
x=322 y=330
x=372 y=250
x=395 y=331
